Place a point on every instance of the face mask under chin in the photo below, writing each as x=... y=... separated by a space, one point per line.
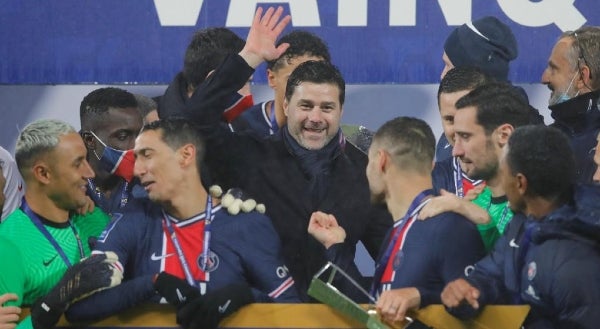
x=564 y=96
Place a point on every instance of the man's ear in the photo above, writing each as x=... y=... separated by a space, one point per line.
x=88 y=140
x=584 y=80
x=41 y=172
x=502 y=134
x=285 y=107
x=187 y=154
x=521 y=183
x=383 y=160
x=271 y=79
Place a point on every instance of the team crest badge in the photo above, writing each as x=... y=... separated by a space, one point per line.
x=531 y=271
x=211 y=264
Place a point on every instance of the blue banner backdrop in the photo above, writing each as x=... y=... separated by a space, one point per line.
x=372 y=41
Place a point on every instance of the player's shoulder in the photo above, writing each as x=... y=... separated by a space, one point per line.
x=16 y=222
x=242 y=220
x=451 y=220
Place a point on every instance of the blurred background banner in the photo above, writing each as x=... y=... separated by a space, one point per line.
x=372 y=41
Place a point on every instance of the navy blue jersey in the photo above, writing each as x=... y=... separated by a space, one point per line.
x=257 y=120
x=243 y=248
x=448 y=175
x=443 y=149
x=433 y=253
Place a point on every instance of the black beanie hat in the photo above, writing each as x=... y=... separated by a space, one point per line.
x=485 y=43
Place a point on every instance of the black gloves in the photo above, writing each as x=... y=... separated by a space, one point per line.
x=92 y=274
x=202 y=311
x=208 y=310
x=175 y=290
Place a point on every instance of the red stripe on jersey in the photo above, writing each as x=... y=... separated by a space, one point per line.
x=389 y=273
x=191 y=239
x=282 y=288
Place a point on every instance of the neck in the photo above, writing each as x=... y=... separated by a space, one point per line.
x=189 y=201
x=539 y=208
x=277 y=107
x=42 y=205
x=403 y=190
x=495 y=185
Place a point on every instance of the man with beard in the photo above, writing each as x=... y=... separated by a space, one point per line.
x=484 y=120
x=304 y=168
x=573 y=76
x=411 y=270
x=548 y=258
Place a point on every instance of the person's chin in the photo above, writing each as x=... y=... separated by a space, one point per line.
x=312 y=143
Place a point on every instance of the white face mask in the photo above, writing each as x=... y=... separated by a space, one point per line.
x=564 y=96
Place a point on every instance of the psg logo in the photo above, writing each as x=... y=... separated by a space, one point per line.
x=211 y=264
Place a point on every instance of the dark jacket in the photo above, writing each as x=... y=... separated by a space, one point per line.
x=552 y=264
x=175 y=97
x=268 y=171
x=579 y=118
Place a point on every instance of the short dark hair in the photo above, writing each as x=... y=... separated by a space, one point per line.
x=302 y=43
x=410 y=142
x=316 y=72
x=100 y=100
x=544 y=156
x=178 y=131
x=496 y=104
x=206 y=51
x=462 y=78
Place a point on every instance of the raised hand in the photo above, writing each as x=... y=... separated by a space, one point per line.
x=263 y=34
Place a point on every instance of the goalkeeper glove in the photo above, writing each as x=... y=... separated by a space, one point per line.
x=92 y=274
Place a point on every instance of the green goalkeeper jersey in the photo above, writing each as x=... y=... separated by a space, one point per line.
x=500 y=215
x=31 y=266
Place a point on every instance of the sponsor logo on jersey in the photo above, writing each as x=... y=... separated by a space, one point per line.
x=282 y=271
x=49 y=261
x=223 y=308
x=154 y=256
x=469 y=269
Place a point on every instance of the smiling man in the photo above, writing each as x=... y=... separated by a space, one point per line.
x=305 y=167
x=573 y=76
x=44 y=240
x=267 y=117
